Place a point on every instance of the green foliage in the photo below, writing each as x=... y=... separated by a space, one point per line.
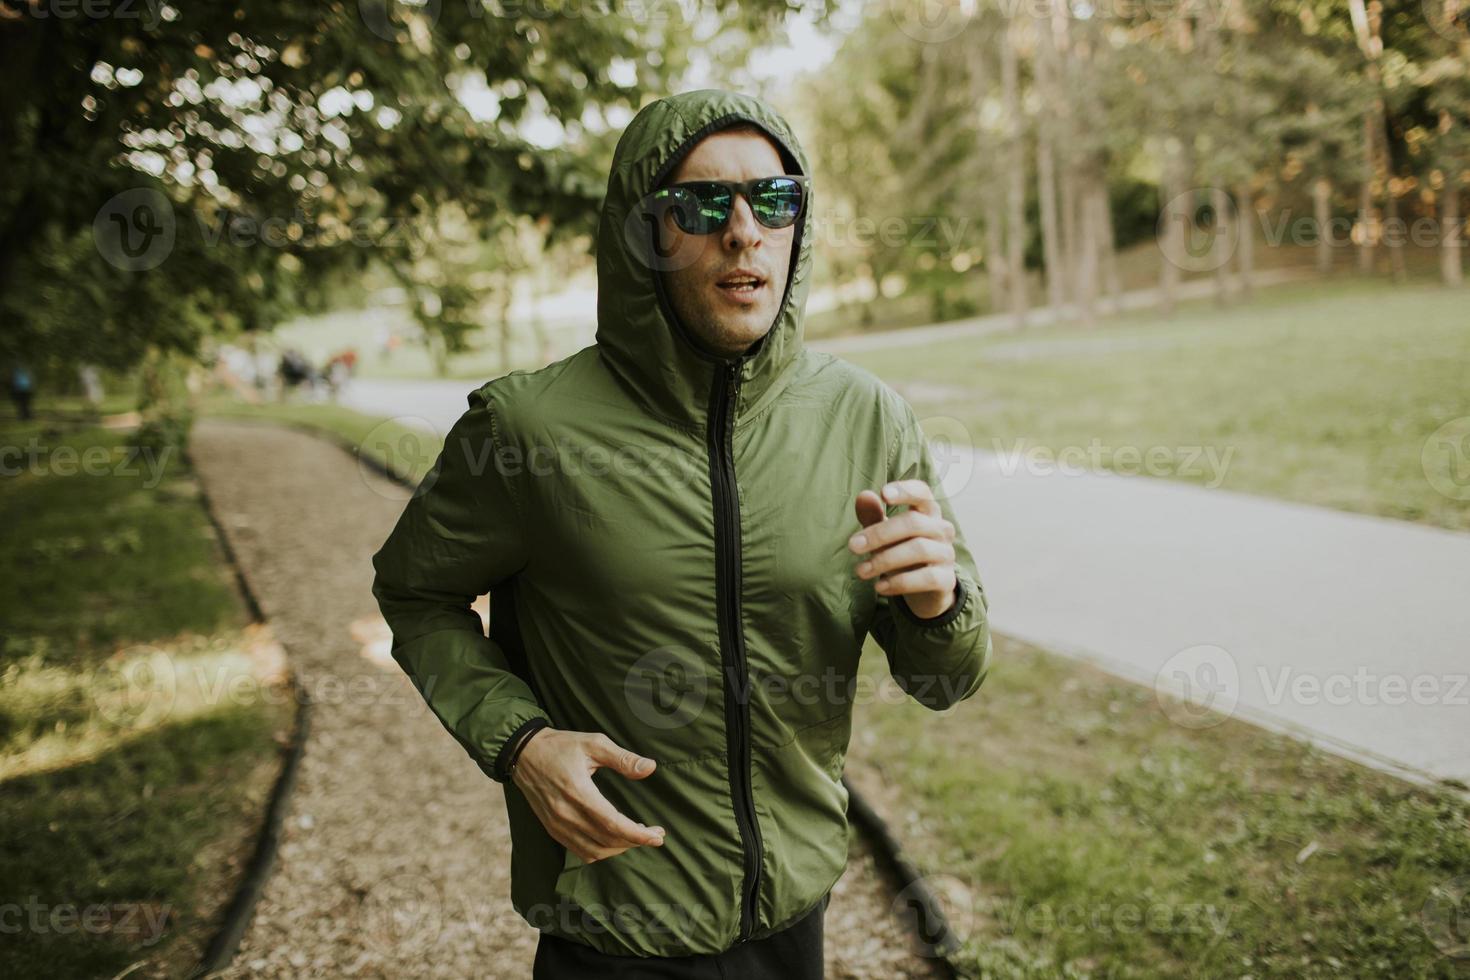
x=285 y=143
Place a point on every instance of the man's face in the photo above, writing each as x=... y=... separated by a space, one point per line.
x=706 y=294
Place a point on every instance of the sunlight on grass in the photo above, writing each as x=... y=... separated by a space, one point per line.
x=1324 y=393
x=53 y=717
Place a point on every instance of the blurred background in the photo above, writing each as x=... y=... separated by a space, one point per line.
x=1176 y=286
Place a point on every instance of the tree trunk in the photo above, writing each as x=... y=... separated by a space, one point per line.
x=1452 y=235
x=1396 y=238
x=1016 y=178
x=506 y=294
x=1367 y=226
x=1046 y=167
x=1246 y=251
x=1171 y=236
x=1051 y=247
x=1322 y=214
x=1112 y=281
x=995 y=248
x=1220 y=244
x=1087 y=260
x=1070 y=244
x=1367 y=22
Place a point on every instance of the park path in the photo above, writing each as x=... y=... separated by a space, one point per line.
x=394 y=858
x=1348 y=630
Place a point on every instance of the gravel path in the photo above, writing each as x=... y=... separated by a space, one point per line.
x=394 y=859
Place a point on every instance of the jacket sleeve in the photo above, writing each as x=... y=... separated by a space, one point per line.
x=456 y=539
x=942 y=660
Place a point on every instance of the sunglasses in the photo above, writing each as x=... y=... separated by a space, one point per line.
x=700 y=207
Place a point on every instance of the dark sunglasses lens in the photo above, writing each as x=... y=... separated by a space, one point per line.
x=695 y=210
x=776 y=201
x=709 y=208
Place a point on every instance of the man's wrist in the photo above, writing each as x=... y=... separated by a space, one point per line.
x=944 y=616
x=514 y=744
x=515 y=756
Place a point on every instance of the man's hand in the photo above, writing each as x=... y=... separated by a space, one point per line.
x=910 y=554
x=554 y=771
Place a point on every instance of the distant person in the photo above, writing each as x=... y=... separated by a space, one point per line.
x=296 y=371
x=92 y=392
x=338 y=371
x=687 y=530
x=22 y=390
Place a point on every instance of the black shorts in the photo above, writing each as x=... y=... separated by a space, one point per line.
x=794 y=953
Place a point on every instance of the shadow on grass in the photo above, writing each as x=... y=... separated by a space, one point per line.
x=109 y=861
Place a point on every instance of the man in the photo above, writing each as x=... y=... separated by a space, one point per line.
x=681 y=532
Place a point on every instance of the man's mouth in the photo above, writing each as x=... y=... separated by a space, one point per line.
x=741 y=284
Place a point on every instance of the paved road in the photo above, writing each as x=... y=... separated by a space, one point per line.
x=1351 y=631
x=395 y=858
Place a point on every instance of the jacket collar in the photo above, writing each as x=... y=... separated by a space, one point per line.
x=638 y=336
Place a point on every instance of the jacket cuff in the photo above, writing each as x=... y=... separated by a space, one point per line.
x=500 y=770
x=944 y=618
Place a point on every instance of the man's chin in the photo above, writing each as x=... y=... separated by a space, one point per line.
x=744 y=329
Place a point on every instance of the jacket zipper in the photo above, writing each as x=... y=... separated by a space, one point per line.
x=732 y=638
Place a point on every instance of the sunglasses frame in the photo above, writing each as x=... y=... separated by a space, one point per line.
x=742 y=188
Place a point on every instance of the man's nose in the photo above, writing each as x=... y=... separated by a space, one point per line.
x=742 y=231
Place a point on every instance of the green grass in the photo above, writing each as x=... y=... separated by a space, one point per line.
x=402 y=448
x=1324 y=393
x=116 y=549
x=1078 y=832
x=130 y=790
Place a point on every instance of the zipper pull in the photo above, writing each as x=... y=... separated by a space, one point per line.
x=732 y=385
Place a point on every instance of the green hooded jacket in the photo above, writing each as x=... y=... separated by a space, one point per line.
x=663 y=535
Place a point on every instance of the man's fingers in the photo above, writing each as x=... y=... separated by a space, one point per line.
x=930 y=578
x=577 y=842
x=909 y=524
x=869 y=508
x=605 y=752
x=916 y=493
x=906 y=554
x=602 y=821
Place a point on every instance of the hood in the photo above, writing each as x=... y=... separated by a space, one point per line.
x=638 y=335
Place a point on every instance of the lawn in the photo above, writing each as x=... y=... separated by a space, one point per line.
x=1076 y=831
x=1327 y=393
x=140 y=710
